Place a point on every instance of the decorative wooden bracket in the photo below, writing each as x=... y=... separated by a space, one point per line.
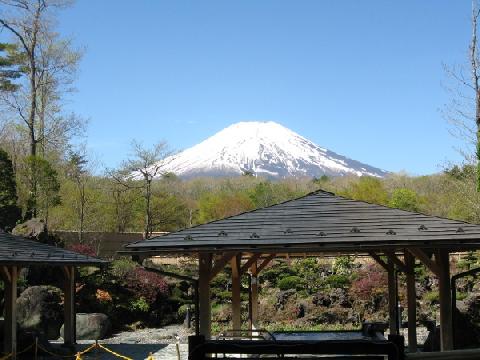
x=429 y=263
x=379 y=261
x=265 y=262
x=5 y=273
x=221 y=263
x=249 y=263
x=400 y=264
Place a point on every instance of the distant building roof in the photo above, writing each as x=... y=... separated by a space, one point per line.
x=318 y=222
x=16 y=250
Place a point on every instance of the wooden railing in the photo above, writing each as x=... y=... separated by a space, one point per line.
x=470 y=354
x=200 y=349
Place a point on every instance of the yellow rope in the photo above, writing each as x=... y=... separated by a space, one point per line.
x=113 y=352
x=150 y=356
x=8 y=356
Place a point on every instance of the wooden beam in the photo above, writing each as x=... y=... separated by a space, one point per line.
x=205 y=317
x=429 y=263
x=445 y=292
x=236 y=300
x=5 y=273
x=392 y=299
x=253 y=259
x=10 y=330
x=220 y=264
x=411 y=302
x=379 y=260
x=265 y=262
x=69 y=328
x=400 y=264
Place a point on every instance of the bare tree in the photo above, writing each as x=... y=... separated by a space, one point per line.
x=463 y=112
x=144 y=166
x=48 y=67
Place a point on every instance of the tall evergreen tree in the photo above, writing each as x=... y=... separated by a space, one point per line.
x=9 y=211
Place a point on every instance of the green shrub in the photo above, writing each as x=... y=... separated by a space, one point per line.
x=121 y=267
x=182 y=310
x=432 y=296
x=290 y=282
x=140 y=305
x=338 y=281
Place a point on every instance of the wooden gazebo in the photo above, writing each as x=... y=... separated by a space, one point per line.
x=16 y=253
x=321 y=223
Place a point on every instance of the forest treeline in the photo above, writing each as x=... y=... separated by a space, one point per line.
x=47 y=172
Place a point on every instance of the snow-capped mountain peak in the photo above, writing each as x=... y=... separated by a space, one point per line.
x=264 y=149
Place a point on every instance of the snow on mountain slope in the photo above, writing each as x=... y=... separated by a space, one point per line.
x=265 y=149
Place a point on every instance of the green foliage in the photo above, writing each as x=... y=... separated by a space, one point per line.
x=343 y=265
x=10 y=213
x=43 y=178
x=338 y=281
x=140 y=305
x=10 y=67
x=432 y=296
x=290 y=282
x=368 y=189
x=405 y=199
x=120 y=268
x=276 y=272
x=222 y=204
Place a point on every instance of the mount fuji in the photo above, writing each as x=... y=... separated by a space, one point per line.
x=265 y=149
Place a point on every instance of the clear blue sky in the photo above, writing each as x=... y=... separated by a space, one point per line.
x=362 y=78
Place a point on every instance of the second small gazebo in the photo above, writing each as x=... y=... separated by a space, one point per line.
x=315 y=224
x=16 y=253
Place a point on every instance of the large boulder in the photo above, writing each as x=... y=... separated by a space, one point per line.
x=94 y=326
x=466 y=334
x=39 y=311
x=34 y=229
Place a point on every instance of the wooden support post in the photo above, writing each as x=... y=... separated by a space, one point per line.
x=392 y=299
x=69 y=329
x=446 y=319
x=411 y=302
x=236 y=301
x=253 y=325
x=10 y=330
x=205 y=311
x=399 y=263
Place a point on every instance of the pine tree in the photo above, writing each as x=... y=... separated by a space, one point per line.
x=10 y=213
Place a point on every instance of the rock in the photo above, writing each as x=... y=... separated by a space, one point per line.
x=300 y=311
x=466 y=334
x=34 y=229
x=283 y=296
x=39 y=311
x=471 y=307
x=321 y=299
x=93 y=326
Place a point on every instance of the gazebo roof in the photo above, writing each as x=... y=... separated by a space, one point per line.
x=317 y=222
x=16 y=250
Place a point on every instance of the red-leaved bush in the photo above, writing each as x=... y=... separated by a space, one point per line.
x=146 y=284
x=370 y=282
x=83 y=249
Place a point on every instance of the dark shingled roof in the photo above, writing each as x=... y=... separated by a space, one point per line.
x=16 y=250
x=317 y=222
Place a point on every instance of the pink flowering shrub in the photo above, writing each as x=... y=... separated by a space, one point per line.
x=146 y=284
x=83 y=249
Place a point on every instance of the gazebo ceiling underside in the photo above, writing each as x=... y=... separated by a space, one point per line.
x=319 y=222
x=18 y=251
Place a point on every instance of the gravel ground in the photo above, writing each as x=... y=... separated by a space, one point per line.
x=137 y=345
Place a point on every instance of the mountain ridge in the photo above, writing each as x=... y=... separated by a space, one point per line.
x=264 y=149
